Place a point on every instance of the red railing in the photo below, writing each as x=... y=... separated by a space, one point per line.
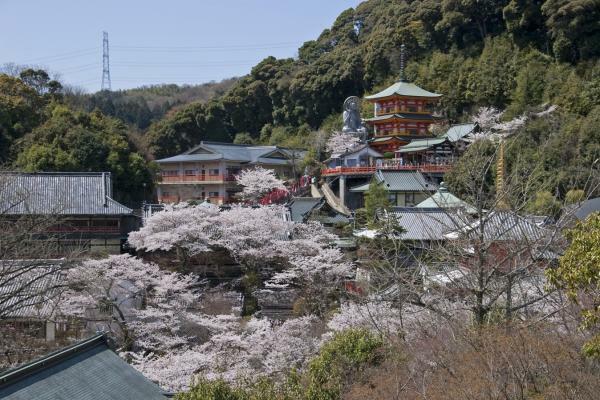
x=430 y=168
x=197 y=178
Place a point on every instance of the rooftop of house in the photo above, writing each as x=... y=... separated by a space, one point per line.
x=420 y=224
x=444 y=199
x=60 y=193
x=403 y=88
x=502 y=225
x=425 y=223
x=300 y=207
x=584 y=209
x=86 y=370
x=252 y=154
x=400 y=181
x=459 y=131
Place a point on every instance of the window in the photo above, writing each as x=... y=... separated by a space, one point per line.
x=105 y=222
x=213 y=172
x=165 y=193
x=392 y=198
x=213 y=194
x=409 y=199
x=170 y=173
x=351 y=162
x=190 y=172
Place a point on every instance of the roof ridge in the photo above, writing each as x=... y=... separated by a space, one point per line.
x=18 y=373
x=55 y=173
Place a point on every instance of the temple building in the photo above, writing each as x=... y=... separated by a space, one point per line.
x=208 y=170
x=403 y=112
x=73 y=209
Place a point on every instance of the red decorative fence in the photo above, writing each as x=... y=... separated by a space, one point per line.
x=429 y=168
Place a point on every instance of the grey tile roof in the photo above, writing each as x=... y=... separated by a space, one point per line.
x=400 y=181
x=420 y=145
x=586 y=208
x=28 y=286
x=300 y=207
x=88 y=370
x=407 y=181
x=403 y=89
x=457 y=132
x=504 y=226
x=62 y=193
x=444 y=199
x=425 y=223
x=211 y=151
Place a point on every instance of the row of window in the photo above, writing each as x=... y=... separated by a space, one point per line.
x=191 y=172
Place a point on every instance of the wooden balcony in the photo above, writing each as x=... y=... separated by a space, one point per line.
x=199 y=178
x=178 y=199
x=389 y=166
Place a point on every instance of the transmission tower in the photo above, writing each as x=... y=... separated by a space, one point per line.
x=105 y=63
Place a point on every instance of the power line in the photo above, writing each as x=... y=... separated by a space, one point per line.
x=105 y=63
x=232 y=46
x=64 y=56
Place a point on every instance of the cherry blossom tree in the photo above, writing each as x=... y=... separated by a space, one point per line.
x=340 y=142
x=137 y=301
x=257 y=348
x=257 y=182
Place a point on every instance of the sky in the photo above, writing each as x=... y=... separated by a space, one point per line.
x=153 y=42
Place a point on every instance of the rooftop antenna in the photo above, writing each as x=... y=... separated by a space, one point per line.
x=105 y=63
x=402 y=60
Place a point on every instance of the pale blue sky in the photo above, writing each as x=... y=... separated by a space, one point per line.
x=151 y=41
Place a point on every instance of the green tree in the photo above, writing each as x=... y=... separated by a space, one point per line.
x=376 y=200
x=579 y=274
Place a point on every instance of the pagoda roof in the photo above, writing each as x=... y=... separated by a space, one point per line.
x=411 y=116
x=403 y=89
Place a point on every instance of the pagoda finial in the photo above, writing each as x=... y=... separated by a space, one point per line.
x=402 y=60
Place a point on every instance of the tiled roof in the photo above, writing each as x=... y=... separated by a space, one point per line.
x=420 y=145
x=503 y=226
x=61 y=193
x=210 y=151
x=425 y=223
x=587 y=207
x=408 y=181
x=300 y=207
x=457 y=132
x=403 y=89
x=28 y=286
x=400 y=181
x=427 y=117
x=444 y=199
x=88 y=370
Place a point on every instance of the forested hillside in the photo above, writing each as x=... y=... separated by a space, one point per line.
x=140 y=107
x=514 y=55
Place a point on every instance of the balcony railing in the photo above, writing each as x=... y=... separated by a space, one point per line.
x=177 y=199
x=197 y=178
x=428 y=168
